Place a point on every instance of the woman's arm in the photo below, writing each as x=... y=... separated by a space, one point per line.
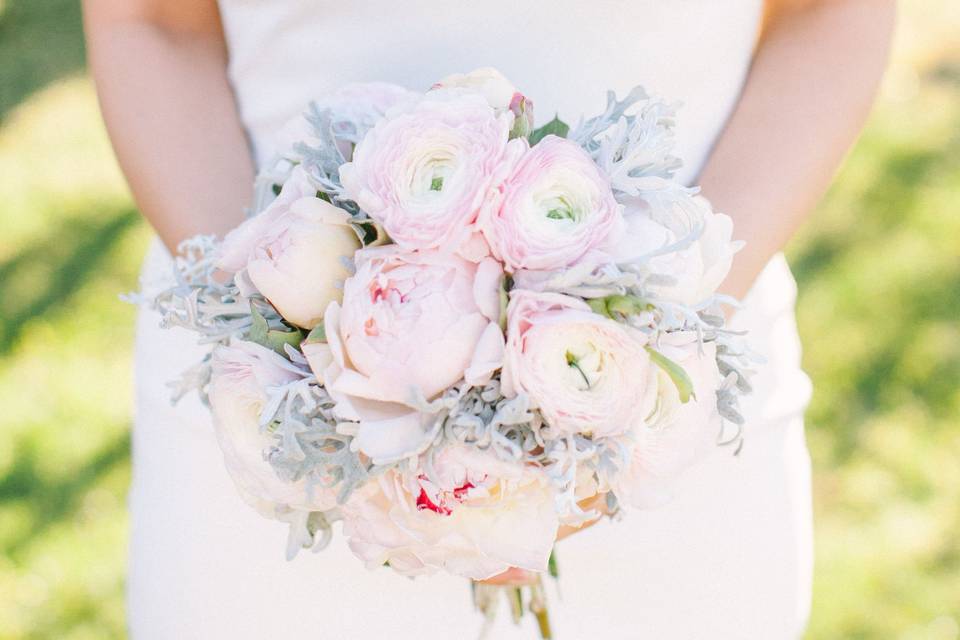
x=808 y=93
x=160 y=69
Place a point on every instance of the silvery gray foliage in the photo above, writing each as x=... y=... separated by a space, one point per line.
x=331 y=130
x=214 y=310
x=197 y=300
x=322 y=157
x=298 y=414
x=307 y=529
x=511 y=429
x=307 y=445
x=632 y=140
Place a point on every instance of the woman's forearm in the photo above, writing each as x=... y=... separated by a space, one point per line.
x=807 y=95
x=161 y=77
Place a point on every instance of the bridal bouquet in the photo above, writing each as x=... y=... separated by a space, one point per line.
x=452 y=331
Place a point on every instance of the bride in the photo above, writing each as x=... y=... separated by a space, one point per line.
x=194 y=92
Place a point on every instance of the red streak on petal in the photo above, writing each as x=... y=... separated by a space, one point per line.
x=425 y=503
x=461 y=491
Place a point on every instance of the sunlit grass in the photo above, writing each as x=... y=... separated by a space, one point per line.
x=879 y=312
x=71 y=243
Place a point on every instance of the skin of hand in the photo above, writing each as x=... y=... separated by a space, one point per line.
x=161 y=72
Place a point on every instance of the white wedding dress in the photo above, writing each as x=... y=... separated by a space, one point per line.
x=730 y=558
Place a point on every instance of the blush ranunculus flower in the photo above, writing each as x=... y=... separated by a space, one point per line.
x=411 y=325
x=678 y=434
x=498 y=92
x=475 y=516
x=697 y=270
x=295 y=253
x=585 y=372
x=425 y=170
x=241 y=375
x=554 y=207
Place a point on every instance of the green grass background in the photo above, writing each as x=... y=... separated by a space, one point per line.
x=879 y=309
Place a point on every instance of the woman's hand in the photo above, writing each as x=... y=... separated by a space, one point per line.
x=161 y=73
x=519 y=577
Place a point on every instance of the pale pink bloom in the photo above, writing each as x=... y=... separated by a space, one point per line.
x=411 y=325
x=242 y=374
x=425 y=171
x=497 y=91
x=678 y=434
x=240 y=243
x=555 y=206
x=474 y=516
x=586 y=373
x=697 y=270
x=296 y=253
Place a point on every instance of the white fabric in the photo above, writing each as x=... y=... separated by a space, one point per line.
x=730 y=558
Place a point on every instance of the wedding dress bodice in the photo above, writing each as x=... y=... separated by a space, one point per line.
x=565 y=54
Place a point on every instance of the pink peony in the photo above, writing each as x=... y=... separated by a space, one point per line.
x=555 y=206
x=586 y=373
x=411 y=325
x=294 y=252
x=425 y=171
x=474 y=516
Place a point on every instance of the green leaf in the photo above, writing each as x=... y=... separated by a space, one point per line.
x=619 y=304
x=599 y=305
x=275 y=339
x=317 y=334
x=626 y=305
x=679 y=377
x=555 y=127
x=552 y=565
x=505 y=287
x=516 y=604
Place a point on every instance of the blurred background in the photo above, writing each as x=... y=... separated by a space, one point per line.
x=879 y=309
